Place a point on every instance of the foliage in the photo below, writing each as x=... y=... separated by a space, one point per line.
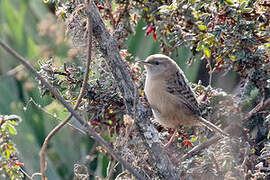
x=233 y=34
x=9 y=163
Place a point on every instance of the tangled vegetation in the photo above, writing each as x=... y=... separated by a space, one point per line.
x=230 y=36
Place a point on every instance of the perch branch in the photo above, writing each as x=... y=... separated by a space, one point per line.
x=196 y=150
x=81 y=94
x=234 y=130
x=109 y=48
x=90 y=130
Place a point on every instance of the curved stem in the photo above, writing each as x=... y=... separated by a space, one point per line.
x=81 y=94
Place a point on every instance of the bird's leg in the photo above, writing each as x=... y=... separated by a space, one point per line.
x=171 y=139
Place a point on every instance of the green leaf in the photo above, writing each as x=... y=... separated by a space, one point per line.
x=193 y=139
x=233 y=58
x=164 y=9
x=202 y=27
x=247 y=10
x=7 y=153
x=11 y=129
x=243 y=5
x=230 y=2
x=199 y=46
x=207 y=52
x=267 y=44
x=13 y=123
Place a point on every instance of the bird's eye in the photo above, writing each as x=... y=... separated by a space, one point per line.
x=156 y=63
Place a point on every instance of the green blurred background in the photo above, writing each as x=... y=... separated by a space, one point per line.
x=21 y=26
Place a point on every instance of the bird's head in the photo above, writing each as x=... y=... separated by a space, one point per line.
x=158 y=64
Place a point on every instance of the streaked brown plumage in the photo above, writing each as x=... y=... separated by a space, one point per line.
x=172 y=100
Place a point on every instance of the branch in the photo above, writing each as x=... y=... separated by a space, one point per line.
x=96 y=136
x=109 y=48
x=262 y=105
x=234 y=130
x=81 y=94
x=196 y=150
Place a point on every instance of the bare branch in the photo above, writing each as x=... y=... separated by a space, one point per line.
x=90 y=130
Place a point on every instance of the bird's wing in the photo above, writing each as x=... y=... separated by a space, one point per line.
x=178 y=86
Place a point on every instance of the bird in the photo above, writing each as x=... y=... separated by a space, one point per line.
x=170 y=96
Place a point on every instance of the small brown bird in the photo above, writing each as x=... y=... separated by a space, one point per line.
x=172 y=101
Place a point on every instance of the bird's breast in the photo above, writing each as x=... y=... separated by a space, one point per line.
x=167 y=109
x=155 y=93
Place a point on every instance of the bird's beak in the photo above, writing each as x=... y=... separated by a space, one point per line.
x=142 y=62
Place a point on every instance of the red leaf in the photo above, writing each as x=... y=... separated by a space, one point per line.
x=149 y=30
x=187 y=143
x=100 y=7
x=18 y=163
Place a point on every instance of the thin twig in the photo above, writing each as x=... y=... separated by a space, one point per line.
x=111 y=168
x=25 y=174
x=109 y=11
x=55 y=117
x=90 y=130
x=81 y=94
x=213 y=158
x=210 y=72
x=246 y=155
x=12 y=72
